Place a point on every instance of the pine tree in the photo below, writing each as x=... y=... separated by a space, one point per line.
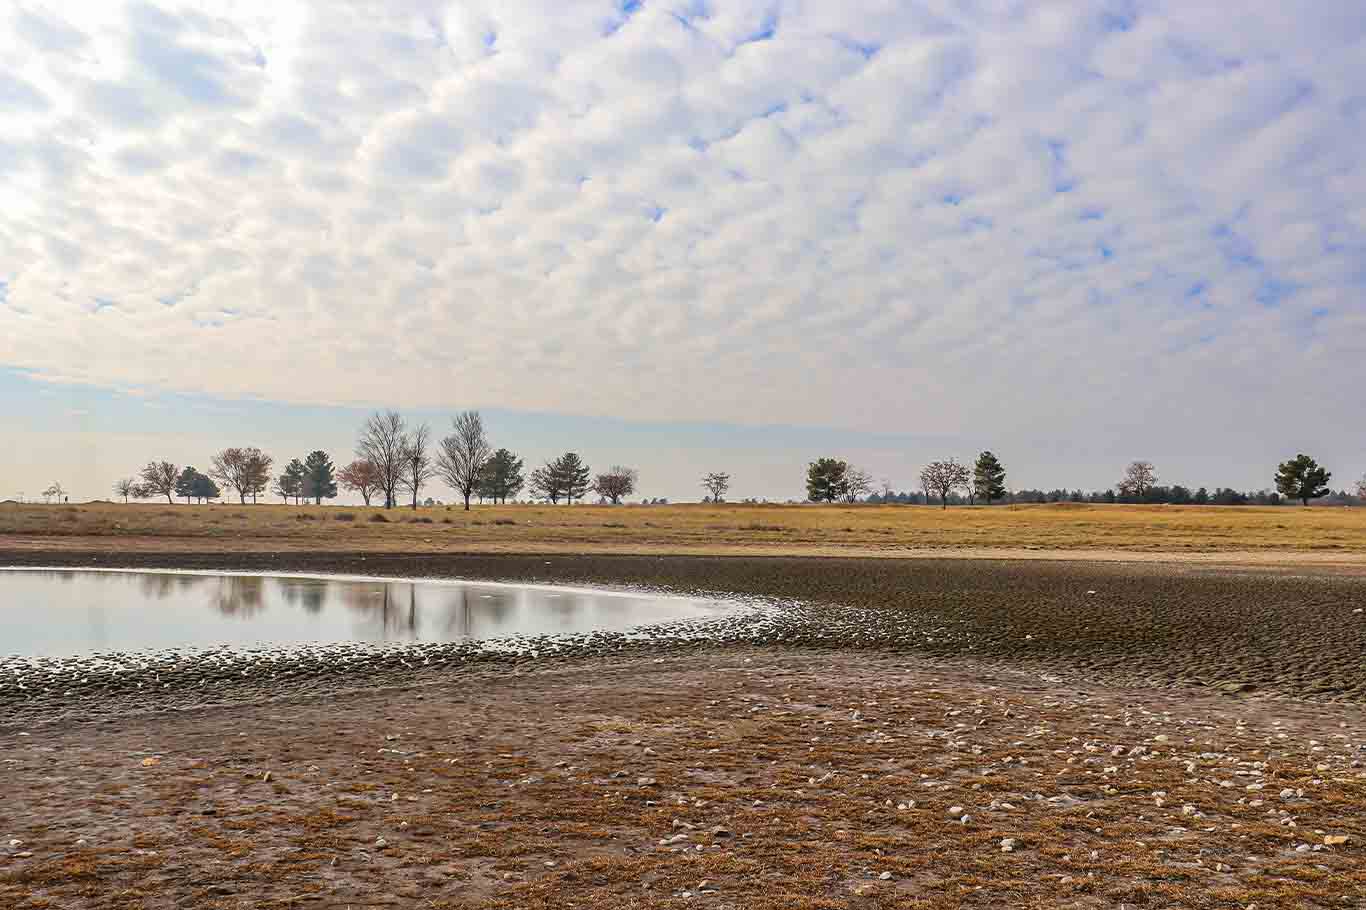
x=204 y=488
x=319 y=481
x=989 y=477
x=827 y=480
x=501 y=476
x=185 y=484
x=291 y=482
x=1301 y=478
x=570 y=476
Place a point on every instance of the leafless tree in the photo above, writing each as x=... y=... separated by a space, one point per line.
x=125 y=487
x=1361 y=488
x=616 y=484
x=382 y=442
x=716 y=483
x=54 y=492
x=258 y=466
x=158 y=479
x=417 y=461
x=245 y=470
x=943 y=477
x=858 y=482
x=360 y=476
x=462 y=455
x=1139 y=478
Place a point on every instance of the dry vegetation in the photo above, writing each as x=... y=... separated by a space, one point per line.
x=754 y=779
x=1328 y=534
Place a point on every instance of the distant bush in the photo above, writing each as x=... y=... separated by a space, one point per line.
x=756 y=526
x=345 y=516
x=305 y=516
x=504 y=521
x=379 y=517
x=613 y=524
x=420 y=520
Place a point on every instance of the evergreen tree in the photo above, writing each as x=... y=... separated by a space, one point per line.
x=291 y=482
x=989 y=477
x=570 y=476
x=319 y=480
x=205 y=489
x=1301 y=478
x=185 y=483
x=501 y=476
x=827 y=480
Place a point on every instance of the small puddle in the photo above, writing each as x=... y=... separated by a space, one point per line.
x=65 y=613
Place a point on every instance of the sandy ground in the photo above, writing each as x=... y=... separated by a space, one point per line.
x=754 y=779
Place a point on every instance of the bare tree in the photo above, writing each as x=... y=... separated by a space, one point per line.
x=382 y=442
x=716 y=484
x=258 y=465
x=462 y=455
x=417 y=461
x=1361 y=488
x=360 y=476
x=54 y=492
x=943 y=477
x=158 y=479
x=126 y=487
x=617 y=483
x=1139 y=478
x=858 y=482
x=245 y=470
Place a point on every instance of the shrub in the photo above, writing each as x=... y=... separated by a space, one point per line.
x=345 y=516
x=504 y=521
x=420 y=520
x=379 y=516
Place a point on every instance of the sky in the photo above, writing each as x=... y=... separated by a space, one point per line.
x=688 y=236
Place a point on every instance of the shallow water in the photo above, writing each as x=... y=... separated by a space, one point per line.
x=58 y=613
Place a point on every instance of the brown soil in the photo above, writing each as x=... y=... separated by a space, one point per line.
x=1058 y=709
x=778 y=780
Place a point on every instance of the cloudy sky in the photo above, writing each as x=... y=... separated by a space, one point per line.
x=691 y=234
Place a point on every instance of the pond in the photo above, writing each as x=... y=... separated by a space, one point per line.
x=60 y=613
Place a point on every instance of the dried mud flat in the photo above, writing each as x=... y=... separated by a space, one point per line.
x=1065 y=709
x=751 y=779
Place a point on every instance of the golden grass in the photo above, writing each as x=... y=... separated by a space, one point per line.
x=1332 y=533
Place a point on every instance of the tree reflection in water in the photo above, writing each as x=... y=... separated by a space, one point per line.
x=161 y=586
x=240 y=595
x=308 y=593
x=388 y=611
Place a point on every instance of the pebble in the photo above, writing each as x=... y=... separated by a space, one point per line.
x=1008 y=844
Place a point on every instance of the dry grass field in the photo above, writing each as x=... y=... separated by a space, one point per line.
x=1321 y=534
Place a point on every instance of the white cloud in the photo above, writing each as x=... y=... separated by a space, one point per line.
x=997 y=214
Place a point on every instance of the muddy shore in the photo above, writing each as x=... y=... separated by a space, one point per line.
x=1298 y=634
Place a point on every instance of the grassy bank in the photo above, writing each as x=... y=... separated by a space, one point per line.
x=693 y=529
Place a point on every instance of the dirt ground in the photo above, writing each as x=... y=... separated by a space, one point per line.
x=754 y=779
x=1068 y=710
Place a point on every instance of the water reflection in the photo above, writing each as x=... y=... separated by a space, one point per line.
x=124 y=611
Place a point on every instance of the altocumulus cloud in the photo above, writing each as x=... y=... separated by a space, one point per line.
x=939 y=213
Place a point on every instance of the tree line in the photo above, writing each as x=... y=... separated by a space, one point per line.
x=393 y=459
x=950 y=483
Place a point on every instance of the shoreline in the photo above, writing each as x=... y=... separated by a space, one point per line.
x=1165 y=627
